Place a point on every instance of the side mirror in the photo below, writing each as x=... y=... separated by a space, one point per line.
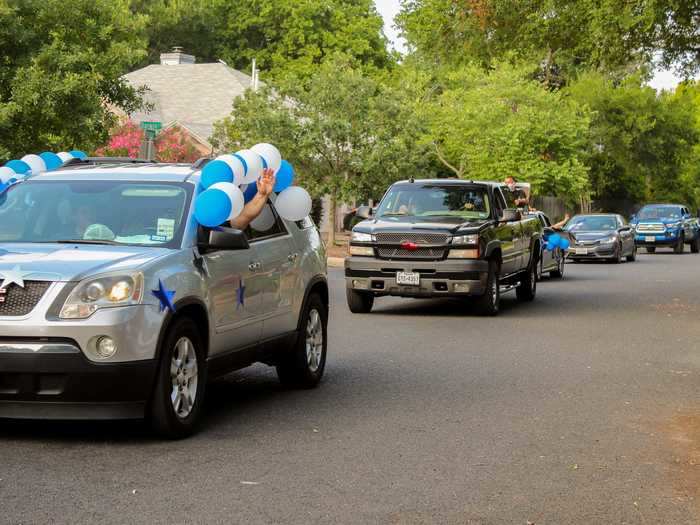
x=510 y=215
x=633 y=218
x=363 y=212
x=221 y=239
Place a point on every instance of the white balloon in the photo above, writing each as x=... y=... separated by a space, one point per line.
x=235 y=195
x=270 y=153
x=264 y=221
x=7 y=174
x=254 y=163
x=64 y=156
x=293 y=204
x=36 y=163
x=236 y=167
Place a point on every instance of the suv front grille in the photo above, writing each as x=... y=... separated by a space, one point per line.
x=16 y=301
x=420 y=238
x=651 y=228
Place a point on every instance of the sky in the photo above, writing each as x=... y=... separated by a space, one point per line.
x=390 y=8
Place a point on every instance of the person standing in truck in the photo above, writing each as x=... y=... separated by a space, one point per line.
x=516 y=197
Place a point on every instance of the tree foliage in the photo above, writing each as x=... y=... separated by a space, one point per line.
x=284 y=36
x=61 y=67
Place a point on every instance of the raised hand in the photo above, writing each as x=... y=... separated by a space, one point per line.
x=266 y=182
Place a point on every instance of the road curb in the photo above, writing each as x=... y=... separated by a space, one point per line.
x=336 y=262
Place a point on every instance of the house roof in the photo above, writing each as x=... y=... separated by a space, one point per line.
x=191 y=95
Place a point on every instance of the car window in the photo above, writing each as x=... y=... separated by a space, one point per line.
x=434 y=200
x=660 y=212
x=500 y=201
x=581 y=223
x=270 y=225
x=131 y=213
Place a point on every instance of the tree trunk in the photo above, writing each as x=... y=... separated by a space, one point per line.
x=331 y=218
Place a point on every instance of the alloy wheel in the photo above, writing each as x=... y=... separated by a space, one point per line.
x=314 y=341
x=184 y=377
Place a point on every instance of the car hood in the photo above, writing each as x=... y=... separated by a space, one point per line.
x=403 y=224
x=72 y=262
x=657 y=221
x=592 y=236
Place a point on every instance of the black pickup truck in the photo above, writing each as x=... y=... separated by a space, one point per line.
x=443 y=238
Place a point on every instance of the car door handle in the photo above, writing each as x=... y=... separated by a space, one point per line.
x=254 y=266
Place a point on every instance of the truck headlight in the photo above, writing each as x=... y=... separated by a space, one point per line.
x=466 y=239
x=471 y=253
x=103 y=292
x=361 y=237
x=366 y=251
x=673 y=225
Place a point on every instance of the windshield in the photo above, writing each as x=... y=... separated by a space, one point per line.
x=131 y=213
x=591 y=223
x=660 y=212
x=435 y=201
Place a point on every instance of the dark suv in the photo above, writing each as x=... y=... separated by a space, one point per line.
x=440 y=238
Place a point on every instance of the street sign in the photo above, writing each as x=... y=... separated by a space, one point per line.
x=151 y=128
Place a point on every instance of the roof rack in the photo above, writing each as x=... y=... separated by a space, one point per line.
x=107 y=160
x=201 y=162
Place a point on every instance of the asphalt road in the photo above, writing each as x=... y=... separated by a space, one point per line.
x=582 y=407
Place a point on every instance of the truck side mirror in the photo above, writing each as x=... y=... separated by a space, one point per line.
x=510 y=215
x=221 y=239
x=363 y=212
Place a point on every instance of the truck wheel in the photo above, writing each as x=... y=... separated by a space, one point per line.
x=178 y=396
x=651 y=249
x=559 y=272
x=540 y=270
x=359 y=302
x=695 y=245
x=303 y=366
x=632 y=256
x=527 y=288
x=490 y=302
x=680 y=245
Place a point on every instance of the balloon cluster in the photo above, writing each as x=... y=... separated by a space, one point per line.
x=557 y=241
x=230 y=181
x=17 y=170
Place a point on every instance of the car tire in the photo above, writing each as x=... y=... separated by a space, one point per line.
x=489 y=303
x=617 y=258
x=178 y=396
x=540 y=270
x=559 y=272
x=632 y=256
x=679 y=247
x=651 y=249
x=695 y=245
x=527 y=289
x=303 y=367
x=359 y=302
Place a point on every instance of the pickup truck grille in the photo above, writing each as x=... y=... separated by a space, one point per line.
x=397 y=252
x=651 y=228
x=17 y=301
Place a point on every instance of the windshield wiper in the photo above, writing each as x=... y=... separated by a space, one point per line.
x=87 y=241
x=394 y=214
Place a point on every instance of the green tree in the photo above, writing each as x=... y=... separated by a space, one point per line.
x=61 y=67
x=282 y=35
x=640 y=140
x=489 y=125
x=347 y=135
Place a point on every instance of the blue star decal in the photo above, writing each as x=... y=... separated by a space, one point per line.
x=240 y=295
x=165 y=297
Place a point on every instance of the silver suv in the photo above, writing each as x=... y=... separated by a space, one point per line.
x=115 y=304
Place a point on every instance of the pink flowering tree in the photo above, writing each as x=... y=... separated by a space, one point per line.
x=125 y=141
x=174 y=145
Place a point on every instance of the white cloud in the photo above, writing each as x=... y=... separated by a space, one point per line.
x=389 y=9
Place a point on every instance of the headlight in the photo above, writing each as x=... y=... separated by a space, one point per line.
x=365 y=251
x=103 y=292
x=470 y=253
x=608 y=240
x=466 y=239
x=361 y=237
x=673 y=225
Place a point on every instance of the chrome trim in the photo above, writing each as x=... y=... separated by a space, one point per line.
x=38 y=348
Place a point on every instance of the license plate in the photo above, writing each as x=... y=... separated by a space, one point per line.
x=649 y=238
x=581 y=251
x=408 y=278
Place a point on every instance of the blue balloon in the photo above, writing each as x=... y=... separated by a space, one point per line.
x=245 y=164
x=51 y=160
x=551 y=246
x=250 y=192
x=564 y=243
x=3 y=187
x=212 y=208
x=555 y=239
x=78 y=154
x=264 y=162
x=12 y=181
x=216 y=171
x=19 y=167
x=285 y=177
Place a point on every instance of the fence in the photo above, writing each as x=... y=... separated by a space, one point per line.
x=556 y=208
